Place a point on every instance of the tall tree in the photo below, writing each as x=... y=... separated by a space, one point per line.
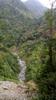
x=50 y=22
x=47 y=80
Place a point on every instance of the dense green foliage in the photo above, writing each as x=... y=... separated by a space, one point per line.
x=16 y=25
x=15 y=22
x=19 y=28
x=47 y=80
x=33 y=54
x=36 y=55
x=9 y=67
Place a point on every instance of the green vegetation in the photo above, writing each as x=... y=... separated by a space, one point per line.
x=38 y=69
x=35 y=41
x=9 y=68
x=15 y=19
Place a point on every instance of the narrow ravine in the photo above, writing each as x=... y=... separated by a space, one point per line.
x=12 y=91
x=22 y=77
x=22 y=65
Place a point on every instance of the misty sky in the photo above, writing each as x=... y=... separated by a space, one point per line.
x=44 y=2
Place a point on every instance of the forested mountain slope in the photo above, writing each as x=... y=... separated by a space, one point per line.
x=15 y=19
x=30 y=40
x=17 y=5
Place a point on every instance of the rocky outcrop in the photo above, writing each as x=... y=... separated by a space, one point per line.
x=12 y=91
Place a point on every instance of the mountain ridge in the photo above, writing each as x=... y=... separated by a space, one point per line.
x=35 y=6
x=15 y=20
x=18 y=6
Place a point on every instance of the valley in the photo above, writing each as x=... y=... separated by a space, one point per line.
x=27 y=51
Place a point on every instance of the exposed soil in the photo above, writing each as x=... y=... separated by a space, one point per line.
x=12 y=91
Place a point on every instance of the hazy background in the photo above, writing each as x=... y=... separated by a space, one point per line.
x=44 y=2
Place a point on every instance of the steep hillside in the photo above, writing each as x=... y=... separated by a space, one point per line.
x=36 y=7
x=17 y=5
x=9 y=67
x=15 y=19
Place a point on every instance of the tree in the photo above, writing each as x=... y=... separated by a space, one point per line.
x=49 y=16
x=47 y=80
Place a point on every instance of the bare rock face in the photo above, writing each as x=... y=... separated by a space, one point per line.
x=12 y=91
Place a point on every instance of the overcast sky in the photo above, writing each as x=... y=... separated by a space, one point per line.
x=44 y=2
